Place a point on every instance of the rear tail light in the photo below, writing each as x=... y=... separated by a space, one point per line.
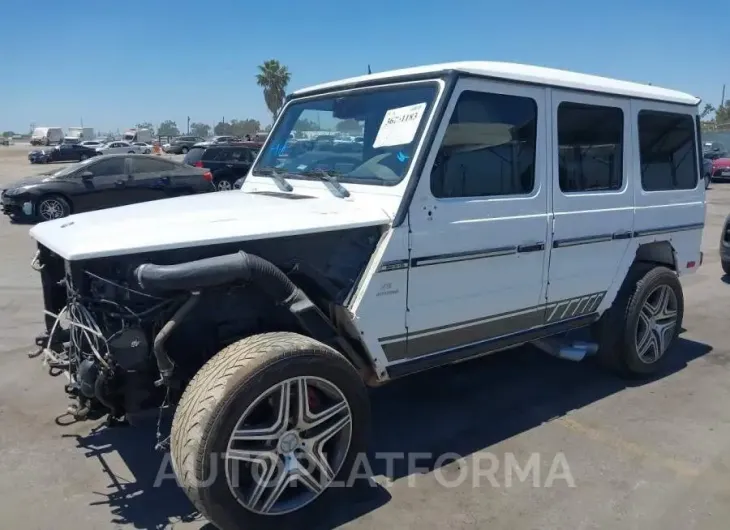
x=198 y=164
x=208 y=176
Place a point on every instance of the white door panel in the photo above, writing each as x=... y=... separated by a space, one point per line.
x=593 y=223
x=676 y=216
x=477 y=262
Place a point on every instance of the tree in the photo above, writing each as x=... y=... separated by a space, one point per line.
x=723 y=113
x=146 y=125
x=349 y=126
x=274 y=78
x=222 y=129
x=8 y=134
x=305 y=125
x=709 y=109
x=200 y=129
x=243 y=127
x=168 y=128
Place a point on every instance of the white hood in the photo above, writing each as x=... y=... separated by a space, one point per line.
x=206 y=219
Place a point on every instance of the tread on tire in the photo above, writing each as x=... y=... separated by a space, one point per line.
x=217 y=395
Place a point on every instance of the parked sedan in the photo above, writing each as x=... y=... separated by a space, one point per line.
x=119 y=148
x=102 y=182
x=145 y=147
x=61 y=153
x=182 y=145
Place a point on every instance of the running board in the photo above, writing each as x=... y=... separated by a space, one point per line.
x=574 y=351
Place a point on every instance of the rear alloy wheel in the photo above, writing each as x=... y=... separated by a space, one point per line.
x=84 y=157
x=184 y=150
x=635 y=334
x=53 y=207
x=224 y=185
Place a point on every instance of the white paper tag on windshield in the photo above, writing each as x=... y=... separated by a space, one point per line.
x=399 y=125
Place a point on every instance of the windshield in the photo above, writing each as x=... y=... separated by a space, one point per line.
x=389 y=120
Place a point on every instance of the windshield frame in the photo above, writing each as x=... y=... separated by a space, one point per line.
x=420 y=138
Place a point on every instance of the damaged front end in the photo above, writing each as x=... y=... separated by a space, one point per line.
x=129 y=332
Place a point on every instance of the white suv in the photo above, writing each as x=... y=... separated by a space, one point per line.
x=489 y=205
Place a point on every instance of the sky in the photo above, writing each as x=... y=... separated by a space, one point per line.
x=116 y=64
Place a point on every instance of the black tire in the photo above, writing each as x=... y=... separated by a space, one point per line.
x=58 y=199
x=708 y=180
x=223 y=389
x=726 y=267
x=224 y=183
x=616 y=331
x=184 y=150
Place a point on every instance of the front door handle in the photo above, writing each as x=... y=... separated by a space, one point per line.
x=621 y=235
x=120 y=183
x=531 y=247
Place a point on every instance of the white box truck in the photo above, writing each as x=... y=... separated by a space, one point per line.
x=79 y=134
x=138 y=135
x=46 y=136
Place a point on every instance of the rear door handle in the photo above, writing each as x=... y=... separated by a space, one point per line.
x=120 y=183
x=531 y=247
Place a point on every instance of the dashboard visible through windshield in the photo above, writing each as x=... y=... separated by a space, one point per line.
x=367 y=136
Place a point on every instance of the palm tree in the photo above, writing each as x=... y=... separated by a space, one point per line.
x=274 y=78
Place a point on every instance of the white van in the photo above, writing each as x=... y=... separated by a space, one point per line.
x=491 y=205
x=46 y=136
x=138 y=135
x=80 y=134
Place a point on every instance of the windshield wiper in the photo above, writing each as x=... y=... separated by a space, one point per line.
x=279 y=179
x=337 y=189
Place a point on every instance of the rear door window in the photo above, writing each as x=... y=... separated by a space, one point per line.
x=151 y=165
x=237 y=155
x=108 y=167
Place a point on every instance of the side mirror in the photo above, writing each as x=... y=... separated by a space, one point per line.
x=87 y=175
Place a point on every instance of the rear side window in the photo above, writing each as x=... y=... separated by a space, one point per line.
x=488 y=148
x=194 y=155
x=590 y=152
x=150 y=165
x=668 y=152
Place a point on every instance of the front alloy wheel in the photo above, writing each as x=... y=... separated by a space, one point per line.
x=288 y=446
x=52 y=208
x=266 y=428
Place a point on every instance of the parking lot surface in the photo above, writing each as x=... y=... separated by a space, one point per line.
x=649 y=455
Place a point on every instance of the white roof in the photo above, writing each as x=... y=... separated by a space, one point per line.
x=529 y=74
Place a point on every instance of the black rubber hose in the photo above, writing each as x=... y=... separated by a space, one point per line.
x=164 y=363
x=220 y=270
